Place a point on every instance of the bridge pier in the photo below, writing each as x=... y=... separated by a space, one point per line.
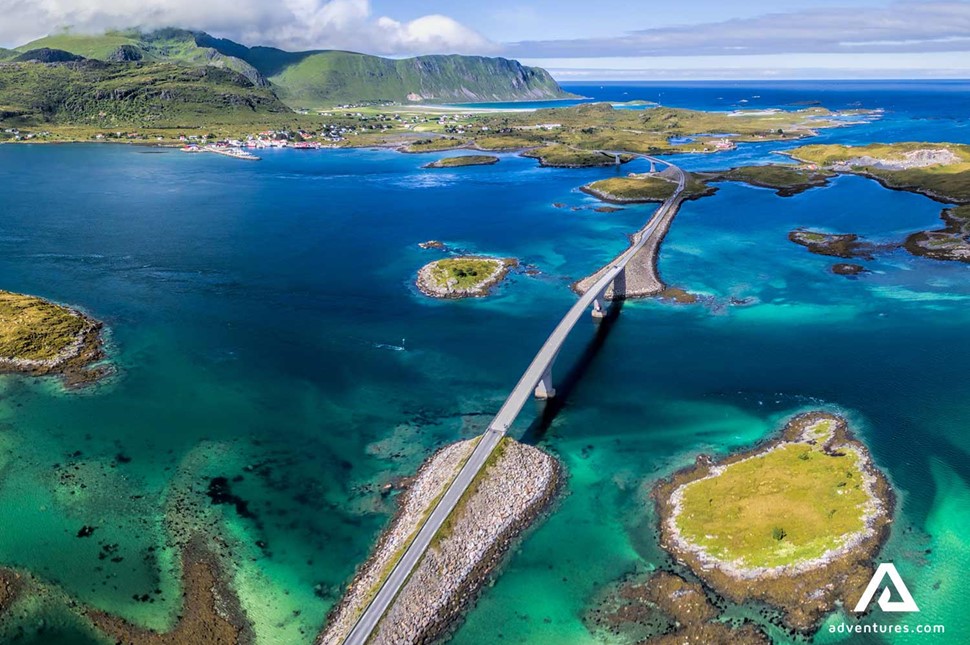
x=653 y=167
x=616 y=159
x=544 y=389
x=599 y=311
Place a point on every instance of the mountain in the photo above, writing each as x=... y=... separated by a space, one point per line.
x=164 y=45
x=97 y=94
x=323 y=78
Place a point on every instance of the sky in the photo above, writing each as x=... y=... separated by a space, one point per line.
x=575 y=39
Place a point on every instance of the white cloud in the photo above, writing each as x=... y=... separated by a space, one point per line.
x=290 y=24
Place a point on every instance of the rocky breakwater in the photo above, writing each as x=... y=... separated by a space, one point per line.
x=508 y=495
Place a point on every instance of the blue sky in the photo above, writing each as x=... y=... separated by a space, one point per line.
x=576 y=40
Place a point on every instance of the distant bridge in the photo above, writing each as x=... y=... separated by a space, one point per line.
x=537 y=381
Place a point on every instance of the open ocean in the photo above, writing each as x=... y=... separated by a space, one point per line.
x=265 y=327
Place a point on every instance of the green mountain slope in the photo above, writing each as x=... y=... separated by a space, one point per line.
x=98 y=94
x=328 y=77
x=324 y=78
x=164 y=45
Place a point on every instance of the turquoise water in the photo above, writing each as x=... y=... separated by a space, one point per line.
x=264 y=326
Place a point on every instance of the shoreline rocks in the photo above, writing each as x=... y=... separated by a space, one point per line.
x=75 y=362
x=512 y=491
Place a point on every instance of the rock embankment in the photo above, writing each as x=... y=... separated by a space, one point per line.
x=505 y=499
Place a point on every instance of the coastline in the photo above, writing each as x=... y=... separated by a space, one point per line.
x=75 y=363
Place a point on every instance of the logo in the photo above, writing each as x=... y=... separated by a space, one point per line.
x=905 y=603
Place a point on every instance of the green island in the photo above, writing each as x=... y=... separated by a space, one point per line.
x=794 y=523
x=466 y=160
x=38 y=337
x=786 y=180
x=561 y=156
x=467 y=276
x=642 y=188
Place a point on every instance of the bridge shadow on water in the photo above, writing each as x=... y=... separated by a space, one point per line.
x=565 y=386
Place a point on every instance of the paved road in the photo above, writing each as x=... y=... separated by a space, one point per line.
x=523 y=391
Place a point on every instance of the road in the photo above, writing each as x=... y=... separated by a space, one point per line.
x=541 y=365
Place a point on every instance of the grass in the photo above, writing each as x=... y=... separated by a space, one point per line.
x=436 y=144
x=633 y=189
x=466 y=160
x=787 y=180
x=561 y=156
x=35 y=329
x=782 y=507
x=448 y=526
x=463 y=273
x=949 y=182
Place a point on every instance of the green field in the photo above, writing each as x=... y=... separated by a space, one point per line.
x=782 y=507
x=34 y=329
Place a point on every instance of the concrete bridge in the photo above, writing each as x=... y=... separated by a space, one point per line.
x=536 y=381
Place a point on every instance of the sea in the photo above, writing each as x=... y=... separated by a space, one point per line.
x=264 y=328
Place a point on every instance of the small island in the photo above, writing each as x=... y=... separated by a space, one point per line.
x=786 y=180
x=563 y=156
x=641 y=188
x=632 y=189
x=949 y=243
x=839 y=245
x=466 y=160
x=39 y=337
x=794 y=523
x=468 y=276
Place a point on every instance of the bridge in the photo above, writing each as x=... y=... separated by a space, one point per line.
x=536 y=381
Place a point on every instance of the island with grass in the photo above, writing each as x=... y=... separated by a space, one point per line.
x=468 y=276
x=466 y=160
x=39 y=337
x=938 y=170
x=794 y=523
x=786 y=180
x=557 y=155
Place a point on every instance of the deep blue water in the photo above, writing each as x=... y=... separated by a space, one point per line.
x=264 y=324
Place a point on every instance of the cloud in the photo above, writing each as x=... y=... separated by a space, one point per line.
x=290 y=24
x=906 y=26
